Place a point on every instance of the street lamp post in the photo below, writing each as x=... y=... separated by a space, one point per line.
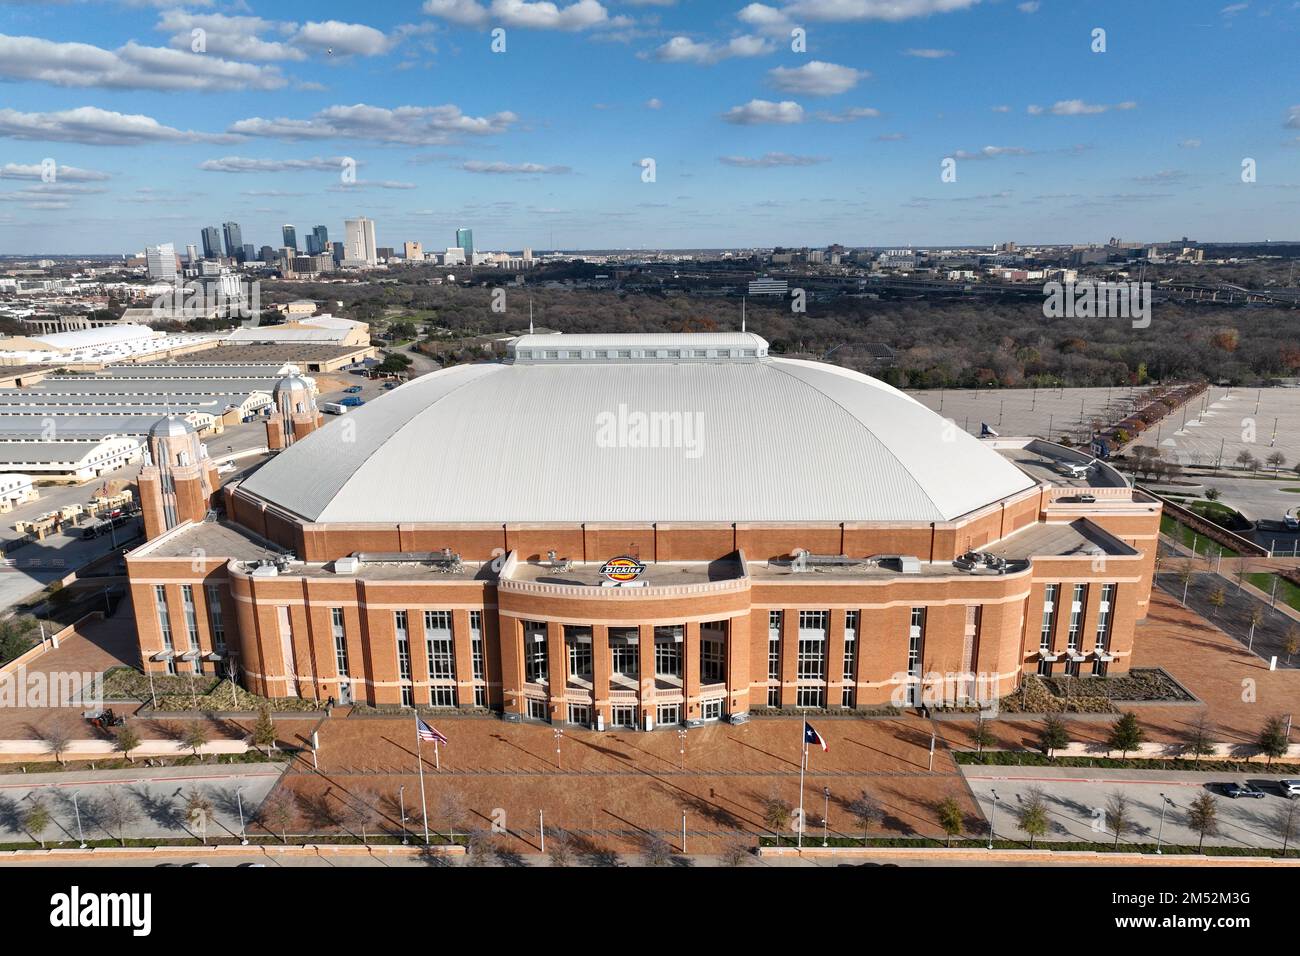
x=401 y=801
x=76 y=808
x=826 y=812
x=243 y=834
x=681 y=746
x=1164 y=802
x=559 y=735
x=993 y=819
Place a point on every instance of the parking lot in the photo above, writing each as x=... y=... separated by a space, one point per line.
x=1077 y=798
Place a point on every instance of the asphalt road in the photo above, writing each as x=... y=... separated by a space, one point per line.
x=1077 y=798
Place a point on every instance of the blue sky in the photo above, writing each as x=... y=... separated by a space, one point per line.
x=753 y=142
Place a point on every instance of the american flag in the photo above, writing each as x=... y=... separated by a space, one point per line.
x=425 y=732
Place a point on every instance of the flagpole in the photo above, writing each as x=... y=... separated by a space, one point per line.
x=803 y=763
x=419 y=762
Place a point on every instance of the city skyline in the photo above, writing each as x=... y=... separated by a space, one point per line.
x=411 y=119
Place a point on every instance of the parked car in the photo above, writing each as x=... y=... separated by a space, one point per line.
x=353 y=389
x=388 y=385
x=1236 y=790
x=352 y=401
x=1289 y=788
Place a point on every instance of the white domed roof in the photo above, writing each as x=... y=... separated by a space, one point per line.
x=555 y=439
x=292 y=383
x=173 y=426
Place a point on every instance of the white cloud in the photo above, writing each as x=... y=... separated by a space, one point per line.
x=345 y=39
x=1029 y=6
x=132 y=66
x=816 y=78
x=850 y=115
x=1002 y=109
x=241 y=164
x=477 y=166
x=410 y=125
x=237 y=37
x=993 y=152
x=682 y=49
x=71 y=174
x=928 y=54
x=840 y=11
x=1189 y=144
x=95 y=127
x=765 y=111
x=370 y=184
x=768 y=160
x=1293 y=118
x=654 y=103
x=581 y=15
x=1078 y=108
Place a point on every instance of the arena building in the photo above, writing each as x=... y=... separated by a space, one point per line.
x=636 y=531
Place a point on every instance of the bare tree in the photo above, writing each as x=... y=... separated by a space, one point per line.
x=56 y=742
x=559 y=847
x=116 y=811
x=276 y=812
x=1118 y=815
x=361 y=812
x=867 y=811
x=452 y=810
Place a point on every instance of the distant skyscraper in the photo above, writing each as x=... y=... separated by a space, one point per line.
x=191 y=254
x=290 y=237
x=234 y=240
x=322 y=239
x=162 y=262
x=465 y=240
x=359 y=241
x=250 y=252
x=337 y=248
x=311 y=244
x=211 y=243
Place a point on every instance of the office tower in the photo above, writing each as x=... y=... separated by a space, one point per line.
x=311 y=243
x=465 y=240
x=337 y=249
x=211 y=243
x=266 y=254
x=528 y=256
x=414 y=251
x=359 y=241
x=162 y=261
x=234 y=240
x=290 y=237
x=322 y=239
x=250 y=252
x=191 y=254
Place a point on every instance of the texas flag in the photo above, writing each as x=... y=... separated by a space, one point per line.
x=810 y=736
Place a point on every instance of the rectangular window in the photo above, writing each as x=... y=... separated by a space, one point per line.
x=774 y=658
x=813 y=626
x=534 y=652
x=215 y=620
x=578 y=642
x=668 y=650
x=668 y=714
x=438 y=645
x=1103 y=616
x=579 y=714
x=1076 y=626
x=537 y=709
x=915 y=646
x=191 y=624
x=476 y=658
x=403 y=657
x=442 y=695
x=624 y=716
x=713 y=652
x=340 y=641
x=1049 y=618
x=850 y=655
x=711 y=709
x=625 y=651
x=165 y=625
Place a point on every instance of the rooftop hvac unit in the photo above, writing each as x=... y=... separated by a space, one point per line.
x=909 y=564
x=348 y=565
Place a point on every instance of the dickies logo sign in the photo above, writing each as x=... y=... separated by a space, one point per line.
x=622 y=569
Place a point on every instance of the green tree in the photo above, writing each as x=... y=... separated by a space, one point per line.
x=126 y=741
x=1218 y=597
x=36 y=818
x=1271 y=739
x=1203 y=817
x=1199 y=740
x=195 y=735
x=949 y=817
x=1125 y=734
x=264 y=730
x=1053 y=735
x=18 y=635
x=1118 y=816
x=1032 y=816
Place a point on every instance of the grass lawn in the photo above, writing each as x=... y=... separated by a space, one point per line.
x=1185 y=536
x=1286 y=591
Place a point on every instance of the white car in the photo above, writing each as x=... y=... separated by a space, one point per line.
x=1289 y=788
